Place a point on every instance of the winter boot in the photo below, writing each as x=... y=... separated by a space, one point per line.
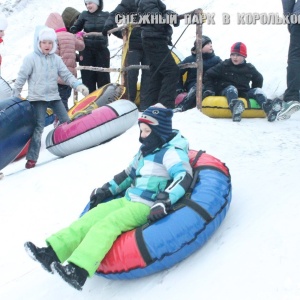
x=272 y=108
x=45 y=256
x=288 y=108
x=237 y=107
x=30 y=164
x=72 y=274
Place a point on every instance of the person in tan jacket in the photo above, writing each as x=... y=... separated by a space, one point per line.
x=68 y=44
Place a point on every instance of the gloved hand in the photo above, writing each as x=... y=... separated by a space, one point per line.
x=179 y=91
x=208 y=93
x=81 y=88
x=109 y=24
x=160 y=207
x=80 y=34
x=171 y=12
x=73 y=29
x=98 y=195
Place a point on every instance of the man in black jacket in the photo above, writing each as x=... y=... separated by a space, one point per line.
x=164 y=72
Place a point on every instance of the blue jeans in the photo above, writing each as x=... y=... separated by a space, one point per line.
x=40 y=108
x=64 y=93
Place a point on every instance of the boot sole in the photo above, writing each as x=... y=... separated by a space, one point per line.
x=56 y=269
x=287 y=114
x=32 y=254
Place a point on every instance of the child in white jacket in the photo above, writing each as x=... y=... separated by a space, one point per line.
x=41 y=69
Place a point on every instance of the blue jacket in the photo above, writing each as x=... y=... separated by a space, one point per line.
x=165 y=169
x=209 y=60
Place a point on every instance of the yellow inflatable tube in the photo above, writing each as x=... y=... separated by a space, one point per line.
x=217 y=107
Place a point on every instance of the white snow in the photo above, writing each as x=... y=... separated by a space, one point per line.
x=255 y=252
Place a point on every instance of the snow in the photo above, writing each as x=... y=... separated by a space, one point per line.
x=255 y=252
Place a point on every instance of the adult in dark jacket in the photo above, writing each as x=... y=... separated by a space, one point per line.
x=164 y=71
x=136 y=54
x=209 y=59
x=232 y=77
x=95 y=53
x=291 y=97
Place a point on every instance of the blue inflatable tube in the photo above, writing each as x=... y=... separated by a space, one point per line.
x=195 y=218
x=16 y=127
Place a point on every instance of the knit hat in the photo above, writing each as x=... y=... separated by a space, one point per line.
x=239 y=48
x=47 y=34
x=3 y=22
x=205 y=41
x=69 y=16
x=159 y=119
x=93 y=1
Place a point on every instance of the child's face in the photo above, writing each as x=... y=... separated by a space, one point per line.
x=91 y=7
x=236 y=58
x=46 y=46
x=1 y=33
x=145 y=130
x=208 y=48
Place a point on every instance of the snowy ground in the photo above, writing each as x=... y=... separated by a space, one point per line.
x=255 y=252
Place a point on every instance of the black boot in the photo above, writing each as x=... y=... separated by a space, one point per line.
x=72 y=274
x=45 y=256
x=272 y=108
x=237 y=107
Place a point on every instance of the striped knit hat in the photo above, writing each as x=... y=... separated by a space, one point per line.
x=239 y=48
x=159 y=119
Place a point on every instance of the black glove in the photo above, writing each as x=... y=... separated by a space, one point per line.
x=98 y=195
x=208 y=93
x=73 y=29
x=179 y=91
x=160 y=207
x=171 y=12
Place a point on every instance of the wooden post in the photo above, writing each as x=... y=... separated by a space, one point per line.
x=125 y=33
x=199 y=60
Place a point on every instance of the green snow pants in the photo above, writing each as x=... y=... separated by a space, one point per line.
x=87 y=240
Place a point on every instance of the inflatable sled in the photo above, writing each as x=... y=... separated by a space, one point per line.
x=160 y=245
x=217 y=107
x=107 y=94
x=5 y=89
x=97 y=127
x=16 y=123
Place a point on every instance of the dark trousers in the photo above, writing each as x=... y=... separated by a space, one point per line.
x=136 y=57
x=64 y=93
x=95 y=58
x=164 y=73
x=293 y=68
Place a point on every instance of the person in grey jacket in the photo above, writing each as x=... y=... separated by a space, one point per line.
x=291 y=97
x=41 y=69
